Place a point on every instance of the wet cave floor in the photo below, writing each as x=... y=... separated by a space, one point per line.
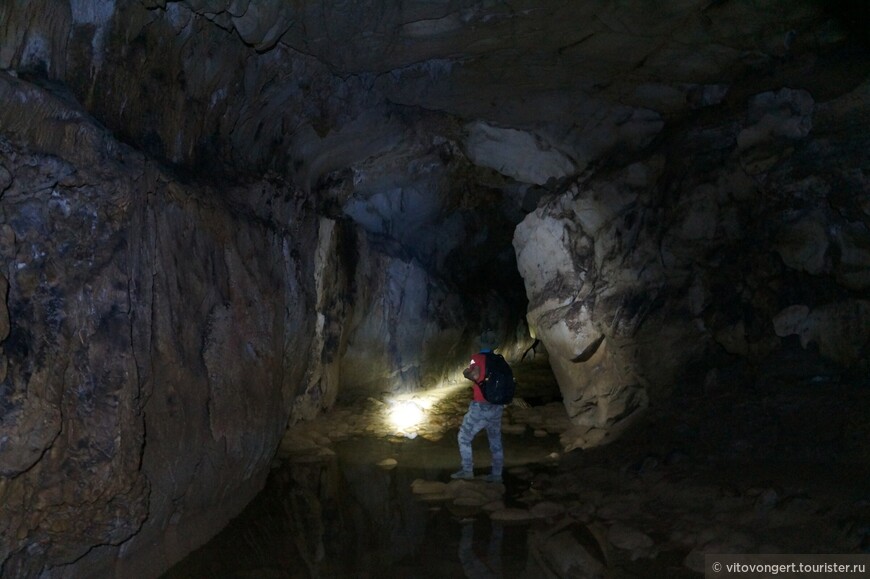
x=351 y=495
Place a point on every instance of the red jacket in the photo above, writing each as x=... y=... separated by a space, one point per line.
x=478 y=359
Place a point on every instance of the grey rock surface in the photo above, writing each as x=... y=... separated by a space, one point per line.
x=218 y=217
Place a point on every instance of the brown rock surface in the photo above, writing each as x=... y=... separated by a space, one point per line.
x=145 y=331
x=295 y=219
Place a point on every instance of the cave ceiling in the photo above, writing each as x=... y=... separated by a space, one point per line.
x=306 y=88
x=223 y=216
x=407 y=116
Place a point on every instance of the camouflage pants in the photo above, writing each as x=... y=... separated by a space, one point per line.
x=481 y=416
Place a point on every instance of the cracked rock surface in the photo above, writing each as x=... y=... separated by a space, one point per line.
x=157 y=338
x=134 y=306
x=221 y=217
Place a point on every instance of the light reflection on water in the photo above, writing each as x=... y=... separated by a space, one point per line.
x=348 y=517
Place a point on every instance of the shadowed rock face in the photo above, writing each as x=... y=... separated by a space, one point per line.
x=307 y=87
x=219 y=216
x=159 y=334
x=147 y=330
x=708 y=261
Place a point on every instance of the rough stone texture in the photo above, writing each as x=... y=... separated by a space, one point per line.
x=386 y=326
x=839 y=330
x=581 y=78
x=148 y=379
x=4 y=318
x=758 y=242
x=518 y=154
x=760 y=471
x=691 y=181
x=408 y=330
x=157 y=337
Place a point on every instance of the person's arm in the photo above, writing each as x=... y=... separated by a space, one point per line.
x=472 y=373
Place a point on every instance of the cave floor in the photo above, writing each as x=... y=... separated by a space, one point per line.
x=352 y=495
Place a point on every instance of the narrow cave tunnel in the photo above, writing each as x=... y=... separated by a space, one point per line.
x=249 y=246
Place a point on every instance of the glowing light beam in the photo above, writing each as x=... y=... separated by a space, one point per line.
x=406 y=415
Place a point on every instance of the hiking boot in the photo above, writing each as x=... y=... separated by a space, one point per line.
x=496 y=478
x=462 y=475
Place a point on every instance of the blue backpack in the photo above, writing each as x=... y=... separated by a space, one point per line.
x=499 y=386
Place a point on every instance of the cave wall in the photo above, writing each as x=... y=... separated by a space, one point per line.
x=250 y=214
x=745 y=260
x=163 y=328
x=180 y=83
x=384 y=324
x=148 y=348
x=158 y=334
x=411 y=331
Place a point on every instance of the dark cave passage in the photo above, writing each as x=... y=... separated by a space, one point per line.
x=252 y=244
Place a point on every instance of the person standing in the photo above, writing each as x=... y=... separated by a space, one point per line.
x=480 y=415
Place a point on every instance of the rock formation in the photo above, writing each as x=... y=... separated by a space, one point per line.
x=147 y=368
x=220 y=217
x=708 y=261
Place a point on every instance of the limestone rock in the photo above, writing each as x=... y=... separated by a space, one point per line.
x=513 y=428
x=668 y=214
x=605 y=326
x=104 y=309
x=4 y=310
x=571 y=551
x=298 y=444
x=804 y=245
x=785 y=113
x=629 y=539
x=5 y=180
x=853 y=267
x=839 y=329
x=388 y=463
x=518 y=154
x=547 y=510
x=512 y=515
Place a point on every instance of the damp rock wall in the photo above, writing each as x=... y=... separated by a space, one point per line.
x=148 y=332
x=215 y=219
x=157 y=335
x=745 y=262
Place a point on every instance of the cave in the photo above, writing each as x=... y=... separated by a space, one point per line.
x=249 y=247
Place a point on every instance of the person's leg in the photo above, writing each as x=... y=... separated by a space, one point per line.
x=472 y=423
x=493 y=433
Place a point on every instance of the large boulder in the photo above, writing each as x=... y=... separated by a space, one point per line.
x=642 y=279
